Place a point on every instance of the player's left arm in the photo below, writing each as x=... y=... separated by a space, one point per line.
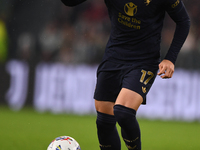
x=178 y=13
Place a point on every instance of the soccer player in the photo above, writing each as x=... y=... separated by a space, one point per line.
x=131 y=62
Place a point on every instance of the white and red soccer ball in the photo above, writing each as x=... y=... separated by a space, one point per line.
x=64 y=143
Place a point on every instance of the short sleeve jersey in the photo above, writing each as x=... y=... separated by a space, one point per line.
x=136 y=29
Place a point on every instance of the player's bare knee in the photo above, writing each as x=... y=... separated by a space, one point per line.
x=104 y=107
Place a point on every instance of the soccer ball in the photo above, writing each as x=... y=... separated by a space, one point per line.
x=64 y=143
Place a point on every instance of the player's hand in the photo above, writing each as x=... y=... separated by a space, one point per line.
x=166 y=69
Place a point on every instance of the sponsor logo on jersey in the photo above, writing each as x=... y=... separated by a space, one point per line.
x=130 y=9
x=129 y=19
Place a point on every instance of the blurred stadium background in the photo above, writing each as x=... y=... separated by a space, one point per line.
x=49 y=54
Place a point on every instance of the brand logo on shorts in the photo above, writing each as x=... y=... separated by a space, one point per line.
x=144 y=90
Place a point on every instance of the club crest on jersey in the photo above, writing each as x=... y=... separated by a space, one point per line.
x=130 y=9
x=147 y=2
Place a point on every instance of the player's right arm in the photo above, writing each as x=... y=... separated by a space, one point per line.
x=72 y=3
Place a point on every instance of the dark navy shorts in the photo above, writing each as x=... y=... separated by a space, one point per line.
x=112 y=77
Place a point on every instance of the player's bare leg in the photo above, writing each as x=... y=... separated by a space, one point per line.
x=104 y=107
x=106 y=126
x=129 y=99
x=125 y=109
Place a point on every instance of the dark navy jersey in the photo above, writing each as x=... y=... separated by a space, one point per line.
x=136 y=29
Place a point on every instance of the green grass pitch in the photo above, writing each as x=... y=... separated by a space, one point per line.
x=30 y=130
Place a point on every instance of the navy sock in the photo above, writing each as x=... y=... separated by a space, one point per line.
x=129 y=126
x=107 y=132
